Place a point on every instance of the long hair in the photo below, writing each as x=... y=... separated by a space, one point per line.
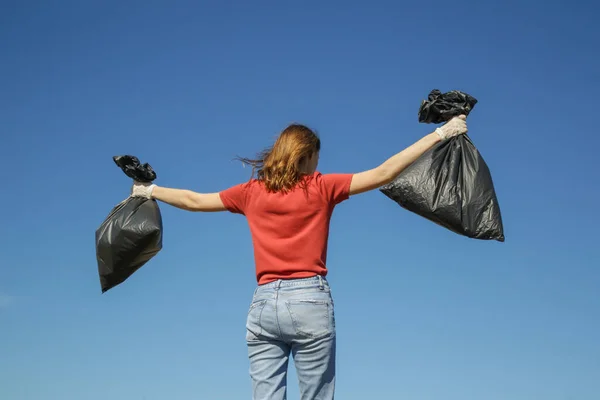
x=279 y=167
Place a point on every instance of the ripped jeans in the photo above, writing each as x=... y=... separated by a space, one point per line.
x=294 y=317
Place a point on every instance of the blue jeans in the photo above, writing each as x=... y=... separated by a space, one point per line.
x=292 y=317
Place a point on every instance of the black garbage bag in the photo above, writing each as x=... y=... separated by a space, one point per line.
x=132 y=233
x=450 y=184
x=134 y=169
x=440 y=107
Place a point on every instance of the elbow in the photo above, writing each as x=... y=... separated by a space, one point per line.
x=192 y=202
x=385 y=176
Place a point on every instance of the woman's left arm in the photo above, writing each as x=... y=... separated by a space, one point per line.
x=180 y=198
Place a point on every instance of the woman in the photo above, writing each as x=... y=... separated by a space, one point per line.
x=288 y=207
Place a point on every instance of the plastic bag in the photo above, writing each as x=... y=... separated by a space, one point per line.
x=440 y=107
x=132 y=233
x=450 y=184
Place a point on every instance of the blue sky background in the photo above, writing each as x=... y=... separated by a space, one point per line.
x=422 y=313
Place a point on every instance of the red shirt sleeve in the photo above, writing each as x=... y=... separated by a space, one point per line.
x=336 y=187
x=235 y=198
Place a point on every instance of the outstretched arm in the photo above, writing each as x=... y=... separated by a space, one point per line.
x=180 y=198
x=393 y=166
x=189 y=200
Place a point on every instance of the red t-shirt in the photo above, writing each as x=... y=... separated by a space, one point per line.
x=289 y=231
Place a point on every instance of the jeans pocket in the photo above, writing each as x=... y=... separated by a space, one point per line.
x=311 y=318
x=253 y=327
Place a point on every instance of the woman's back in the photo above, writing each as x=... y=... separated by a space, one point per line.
x=288 y=208
x=289 y=230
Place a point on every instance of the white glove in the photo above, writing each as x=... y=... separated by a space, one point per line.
x=142 y=189
x=456 y=126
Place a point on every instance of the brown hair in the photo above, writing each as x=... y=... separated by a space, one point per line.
x=279 y=167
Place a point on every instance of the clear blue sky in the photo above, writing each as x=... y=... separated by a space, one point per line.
x=422 y=313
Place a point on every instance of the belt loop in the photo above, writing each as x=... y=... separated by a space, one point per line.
x=278 y=284
x=321 y=286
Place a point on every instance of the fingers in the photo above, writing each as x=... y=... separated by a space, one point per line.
x=459 y=125
x=461 y=120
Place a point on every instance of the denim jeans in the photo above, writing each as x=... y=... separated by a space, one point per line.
x=294 y=317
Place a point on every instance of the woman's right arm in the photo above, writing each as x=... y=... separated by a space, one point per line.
x=393 y=166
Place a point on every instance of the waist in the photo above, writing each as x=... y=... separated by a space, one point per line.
x=317 y=281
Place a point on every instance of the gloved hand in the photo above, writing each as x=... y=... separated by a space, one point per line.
x=142 y=189
x=456 y=126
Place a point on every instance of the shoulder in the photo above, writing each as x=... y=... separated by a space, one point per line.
x=332 y=178
x=335 y=186
x=235 y=198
